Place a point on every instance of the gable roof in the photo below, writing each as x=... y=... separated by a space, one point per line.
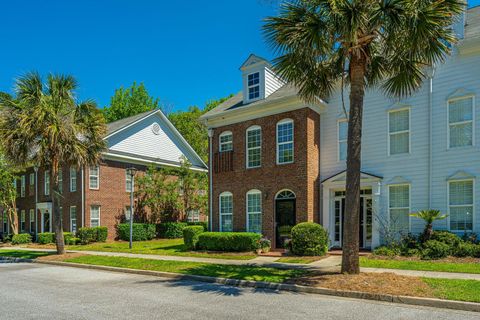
x=112 y=127
x=252 y=60
x=342 y=175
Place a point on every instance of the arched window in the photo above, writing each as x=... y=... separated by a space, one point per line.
x=254 y=147
x=285 y=194
x=285 y=141
x=225 y=141
x=226 y=211
x=254 y=211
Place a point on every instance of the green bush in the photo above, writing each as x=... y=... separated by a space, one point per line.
x=409 y=252
x=204 y=224
x=265 y=245
x=21 y=238
x=309 y=239
x=46 y=237
x=92 y=234
x=386 y=251
x=6 y=237
x=190 y=236
x=101 y=234
x=434 y=249
x=450 y=239
x=140 y=231
x=465 y=249
x=72 y=241
x=171 y=230
x=67 y=236
x=228 y=241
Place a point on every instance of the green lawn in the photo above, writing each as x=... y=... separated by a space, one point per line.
x=23 y=254
x=300 y=260
x=165 y=247
x=420 y=265
x=451 y=289
x=194 y=268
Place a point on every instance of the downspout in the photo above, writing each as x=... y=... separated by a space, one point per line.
x=210 y=183
x=431 y=74
x=83 y=197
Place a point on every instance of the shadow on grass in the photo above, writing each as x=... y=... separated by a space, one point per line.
x=22 y=254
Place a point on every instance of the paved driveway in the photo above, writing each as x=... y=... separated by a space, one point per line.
x=33 y=291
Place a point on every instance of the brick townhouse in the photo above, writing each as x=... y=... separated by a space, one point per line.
x=100 y=196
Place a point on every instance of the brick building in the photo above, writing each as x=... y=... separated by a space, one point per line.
x=100 y=196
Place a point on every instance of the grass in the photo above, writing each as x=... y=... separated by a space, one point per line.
x=23 y=254
x=194 y=268
x=300 y=260
x=420 y=265
x=164 y=247
x=453 y=289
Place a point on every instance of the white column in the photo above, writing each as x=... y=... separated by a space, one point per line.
x=326 y=213
x=376 y=195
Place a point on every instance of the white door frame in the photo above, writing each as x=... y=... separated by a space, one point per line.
x=43 y=207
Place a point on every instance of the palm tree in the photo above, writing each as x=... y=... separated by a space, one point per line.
x=429 y=216
x=45 y=126
x=326 y=45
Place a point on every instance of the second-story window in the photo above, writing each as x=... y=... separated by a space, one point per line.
x=31 y=184
x=342 y=139
x=60 y=181
x=73 y=179
x=47 y=183
x=253 y=85
x=254 y=147
x=94 y=177
x=285 y=141
x=22 y=186
x=399 y=131
x=460 y=122
x=226 y=141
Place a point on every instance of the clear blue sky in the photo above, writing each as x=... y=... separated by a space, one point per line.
x=186 y=52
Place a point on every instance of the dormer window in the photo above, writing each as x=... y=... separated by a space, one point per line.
x=226 y=141
x=253 y=86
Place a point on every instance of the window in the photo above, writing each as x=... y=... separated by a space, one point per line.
x=254 y=211
x=193 y=215
x=31 y=181
x=73 y=219
x=460 y=122
x=128 y=180
x=128 y=213
x=32 y=220
x=94 y=216
x=22 y=186
x=399 y=131
x=253 y=86
x=460 y=205
x=60 y=181
x=5 y=221
x=94 y=173
x=226 y=211
x=47 y=183
x=285 y=141
x=22 y=221
x=254 y=147
x=342 y=139
x=73 y=179
x=226 y=141
x=399 y=208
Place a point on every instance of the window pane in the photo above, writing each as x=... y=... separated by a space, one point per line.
x=285 y=132
x=285 y=152
x=399 y=196
x=399 y=143
x=399 y=220
x=460 y=110
x=398 y=121
x=343 y=150
x=94 y=212
x=254 y=138
x=226 y=223
x=461 y=218
x=461 y=134
x=461 y=192
x=342 y=130
x=253 y=79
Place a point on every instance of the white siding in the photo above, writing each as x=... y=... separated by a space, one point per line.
x=272 y=82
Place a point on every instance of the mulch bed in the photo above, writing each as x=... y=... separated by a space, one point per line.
x=414 y=258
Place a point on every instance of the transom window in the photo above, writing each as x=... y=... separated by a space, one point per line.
x=73 y=179
x=94 y=216
x=399 y=131
x=342 y=139
x=399 y=208
x=460 y=122
x=94 y=175
x=226 y=211
x=73 y=219
x=285 y=141
x=254 y=211
x=226 y=141
x=254 y=147
x=253 y=86
x=285 y=194
x=460 y=205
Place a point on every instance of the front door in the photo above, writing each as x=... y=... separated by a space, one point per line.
x=46 y=219
x=284 y=220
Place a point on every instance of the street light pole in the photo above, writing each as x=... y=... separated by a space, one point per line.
x=131 y=172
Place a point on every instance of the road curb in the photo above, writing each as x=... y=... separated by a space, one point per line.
x=418 y=301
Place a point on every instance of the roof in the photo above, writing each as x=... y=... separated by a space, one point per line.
x=342 y=174
x=472 y=25
x=119 y=124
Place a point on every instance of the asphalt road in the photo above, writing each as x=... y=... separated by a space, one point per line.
x=33 y=291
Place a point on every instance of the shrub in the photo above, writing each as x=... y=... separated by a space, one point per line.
x=386 y=251
x=46 y=237
x=204 y=224
x=101 y=234
x=86 y=235
x=470 y=237
x=451 y=239
x=21 y=238
x=228 y=241
x=265 y=245
x=171 y=230
x=72 y=241
x=6 y=237
x=309 y=239
x=434 y=249
x=67 y=236
x=190 y=236
x=465 y=249
x=140 y=231
x=410 y=252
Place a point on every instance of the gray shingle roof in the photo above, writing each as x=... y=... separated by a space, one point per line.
x=119 y=124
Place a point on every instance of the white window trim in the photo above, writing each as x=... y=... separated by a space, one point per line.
x=284 y=121
x=409 y=131
x=220 y=214
x=73 y=177
x=254 y=191
x=340 y=141
x=46 y=178
x=224 y=133
x=98 y=179
x=254 y=85
x=23 y=186
x=70 y=216
x=253 y=128
x=99 y=215
x=448 y=204
x=462 y=122
x=409 y=203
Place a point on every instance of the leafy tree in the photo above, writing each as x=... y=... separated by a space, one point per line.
x=130 y=101
x=326 y=44
x=429 y=216
x=45 y=126
x=193 y=186
x=8 y=194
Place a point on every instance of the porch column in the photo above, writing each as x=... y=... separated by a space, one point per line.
x=326 y=212
x=376 y=195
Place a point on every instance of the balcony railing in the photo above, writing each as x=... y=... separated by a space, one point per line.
x=223 y=161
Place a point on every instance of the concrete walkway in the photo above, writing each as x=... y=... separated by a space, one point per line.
x=328 y=264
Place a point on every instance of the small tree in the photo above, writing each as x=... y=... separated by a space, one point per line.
x=8 y=195
x=429 y=216
x=193 y=186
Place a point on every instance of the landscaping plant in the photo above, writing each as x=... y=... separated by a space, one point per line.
x=229 y=241
x=429 y=216
x=433 y=249
x=140 y=231
x=309 y=239
x=21 y=238
x=171 y=230
x=190 y=236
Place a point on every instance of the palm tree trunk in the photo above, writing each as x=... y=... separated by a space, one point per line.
x=350 y=260
x=57 y=215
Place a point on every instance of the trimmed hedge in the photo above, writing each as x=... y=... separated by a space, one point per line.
x=433 y=249
x=450 y=239
x=309 y=239
x=190 y=236
x=171 y=230
x=140 y=231
x=95 y=234
x=102 y=234
x=46 y=237
x=204 y=224
x=21 y=238
x=229 y=241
